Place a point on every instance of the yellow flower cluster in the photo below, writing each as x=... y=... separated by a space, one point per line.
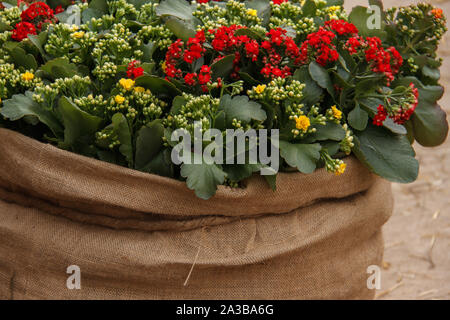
x=336 y=112
x=27 y=76
x=302 y=123
x=127 y=84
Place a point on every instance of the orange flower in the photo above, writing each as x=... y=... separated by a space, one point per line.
x=437 y=12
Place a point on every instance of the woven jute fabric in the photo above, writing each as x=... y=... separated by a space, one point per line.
x=140 y=236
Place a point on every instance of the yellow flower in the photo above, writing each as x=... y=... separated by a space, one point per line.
x=163 y=66
x=302 y=123
x=336 y=112
x=78 y=35
x=260 y=88
x=27 y=76
x=252 y=12
x=127 y=84
x=119 y=99
x=139 y=89
x=341 y=169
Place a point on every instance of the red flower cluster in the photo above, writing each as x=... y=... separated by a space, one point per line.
x=387 y=61
x=383 y=61
x=193 y=52
x=341 y=27
x=22 y=30
x=279 y=1
x=320 y=46
x=173 y=54
x=405 y=113
x=202 y=78
x=380 y=116
x=401 y=115
x=271 y=53
x=33 y=18
x=35 y=10
x=134 y=70
x=195 y=48
x=279 y=44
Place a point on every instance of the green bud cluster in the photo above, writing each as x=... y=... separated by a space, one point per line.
x=196 y=108
x=10 y=16
x=160 y=35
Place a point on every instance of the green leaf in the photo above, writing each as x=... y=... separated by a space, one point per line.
x=121 y=128
x=361 y=18
x=89 y=13
x=148 y=143
x=181 y=29
x=302 y=156
x=330 y=131
x=309 y=8
x=386 y=154
x=177 y=8
x=203 y=178
x=59 y=68
x=249 y=33
x=77 y=123
x=39 y=41
x=161 y=164
x=23 y=105
x=240 y=108
x=157 y=85
x=358 y=118
x=432 y=73
x=223 y=67
x=23 y=59
x=312 y=93
x=321 y=77
x=271 y=181
x=99 y=5
x=148 y=50
x=238 y=172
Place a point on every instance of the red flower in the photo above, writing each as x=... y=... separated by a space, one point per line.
x=205 y=74
x=195 y=49
x=342 y=27
x=35 y=10
x=22 y=30
x=190 y=79
x=380 y=116
x=59 y=9
x=405 y=113
x=279 y=1
x=252 y=49
x=320 y=46
x=133 y=70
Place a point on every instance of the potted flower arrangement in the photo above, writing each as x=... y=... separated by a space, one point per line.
x=115 y=82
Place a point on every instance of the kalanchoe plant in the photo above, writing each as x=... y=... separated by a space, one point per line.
x=116 y=85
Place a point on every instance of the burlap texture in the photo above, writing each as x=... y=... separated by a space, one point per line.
x=137 y=236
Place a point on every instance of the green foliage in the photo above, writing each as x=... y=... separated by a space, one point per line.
x=386 y=154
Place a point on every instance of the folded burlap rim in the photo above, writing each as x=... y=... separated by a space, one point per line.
x=42 y=171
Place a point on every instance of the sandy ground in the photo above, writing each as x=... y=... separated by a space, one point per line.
x=417 y=255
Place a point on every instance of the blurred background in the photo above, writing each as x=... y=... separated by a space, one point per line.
x=417 y=238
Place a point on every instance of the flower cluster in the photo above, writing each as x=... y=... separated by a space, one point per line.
x=400 y=106
x=130 y=73
x=33 y=18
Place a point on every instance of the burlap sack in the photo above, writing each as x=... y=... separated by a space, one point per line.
x=136 y=235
